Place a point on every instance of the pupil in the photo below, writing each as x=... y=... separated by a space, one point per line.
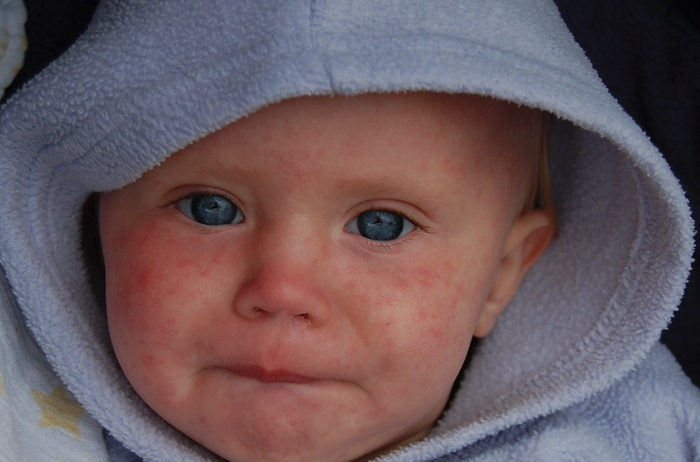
x=380 y=225
x=213 y=210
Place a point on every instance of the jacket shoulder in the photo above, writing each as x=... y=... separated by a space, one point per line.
x=650 y=415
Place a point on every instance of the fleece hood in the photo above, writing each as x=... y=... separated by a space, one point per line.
x=150 y=77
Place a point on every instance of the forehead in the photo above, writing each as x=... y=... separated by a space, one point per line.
x=391 y=124
x=401 y=116
x=373 y=141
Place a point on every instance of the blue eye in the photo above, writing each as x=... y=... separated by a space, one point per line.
x=380 y=225
x=210 y=210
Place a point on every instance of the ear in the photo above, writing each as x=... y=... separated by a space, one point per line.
x=528 y=238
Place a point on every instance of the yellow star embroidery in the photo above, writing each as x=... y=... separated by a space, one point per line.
x=58 y=409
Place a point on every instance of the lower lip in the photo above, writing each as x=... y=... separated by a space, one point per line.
x=275 y=376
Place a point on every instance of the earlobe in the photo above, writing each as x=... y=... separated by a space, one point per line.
x=528 y=238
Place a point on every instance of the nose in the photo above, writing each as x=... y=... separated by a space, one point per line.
x=285 y=282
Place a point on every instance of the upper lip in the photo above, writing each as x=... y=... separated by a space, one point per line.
x=270 y=375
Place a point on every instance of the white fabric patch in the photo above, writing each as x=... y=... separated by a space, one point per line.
x=13 y=42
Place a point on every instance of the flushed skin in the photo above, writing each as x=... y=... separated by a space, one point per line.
x=254 y=337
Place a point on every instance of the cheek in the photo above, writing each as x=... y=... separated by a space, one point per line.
x=139 y=271
x=153 y=263
x=422 y=312
x=422 y=318
x=153 y=295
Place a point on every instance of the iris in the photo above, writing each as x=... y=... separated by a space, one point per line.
x=210 y=210
x=380 y=225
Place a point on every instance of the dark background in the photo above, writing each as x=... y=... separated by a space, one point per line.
x=646 y=51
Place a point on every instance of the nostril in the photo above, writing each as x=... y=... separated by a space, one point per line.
x=259 y=313
x=303 y=319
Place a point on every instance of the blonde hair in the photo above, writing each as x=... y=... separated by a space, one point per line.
x=539 y=195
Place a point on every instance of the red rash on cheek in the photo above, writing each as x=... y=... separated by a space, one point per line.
x=150 y=290
x=141 y=266
x=160 y=271
x=150 y=258
x=424 y=300
x=431 y=278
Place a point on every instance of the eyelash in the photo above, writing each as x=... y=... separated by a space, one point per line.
x=198 y=192
x=391 y=245
x=195 y=191
x=378 y=245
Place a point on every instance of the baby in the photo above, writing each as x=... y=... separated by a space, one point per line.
x=307 y=215
x=304 y=284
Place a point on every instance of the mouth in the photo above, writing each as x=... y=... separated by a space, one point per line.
x=271 y=376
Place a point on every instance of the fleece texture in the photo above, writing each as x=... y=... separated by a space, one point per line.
x=572 y=370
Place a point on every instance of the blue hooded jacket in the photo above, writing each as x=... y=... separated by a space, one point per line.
x=573 y=369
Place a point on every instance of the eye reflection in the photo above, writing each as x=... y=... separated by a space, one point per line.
x=210 y=209
x=380 y=225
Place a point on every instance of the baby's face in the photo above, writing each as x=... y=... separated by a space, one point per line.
x=303 y=284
